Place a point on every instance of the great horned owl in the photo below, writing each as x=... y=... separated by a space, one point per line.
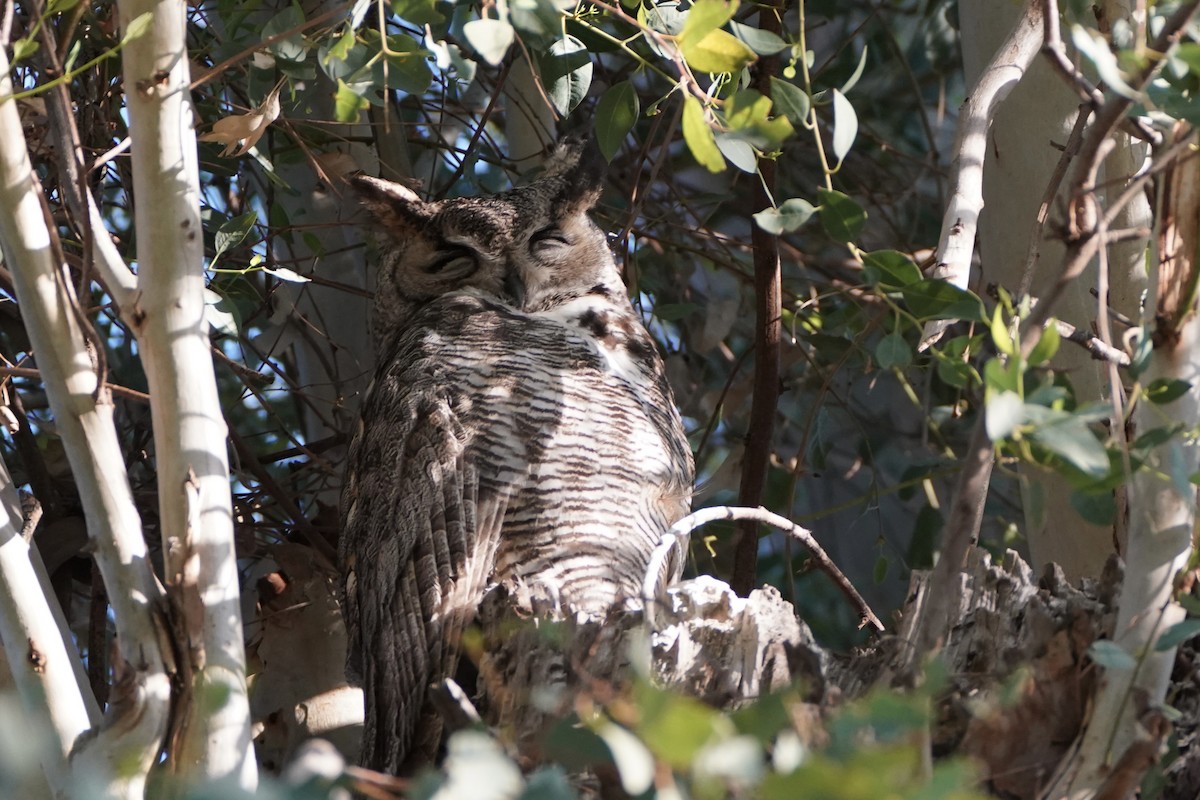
x=519 y=431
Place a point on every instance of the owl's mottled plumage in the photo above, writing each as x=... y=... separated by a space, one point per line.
x=519 y=430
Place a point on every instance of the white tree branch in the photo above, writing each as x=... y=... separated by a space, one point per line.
x=127 y=746
x=961 y=220
x=190 y=435
x=41 y=654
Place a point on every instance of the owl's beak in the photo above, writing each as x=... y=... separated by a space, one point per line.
x=515 y=287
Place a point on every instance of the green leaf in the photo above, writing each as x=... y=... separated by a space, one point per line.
x=718 y=52
x=762 y=42
x=674 y=727
x=704 y=17
x=879 y=573
x=566 y=72
x=841 y=217
x=673 y=312
x=340 y=49
x=1046 y=346
x=1001 y=376
x=890 y=269
x=699 y=137
x=1073 y=441
x=1177 y=634
x=634 y=762
x=788 y=217
x=893 y=352
x=1005 y=411
x=1166 y=390
x=491 y=38
x=292 y=47
x=137 y=27
x=1096 y=49
x=232 y=232
x=421 y=12
x=790 y=100
x=1000 y=334
x=852 y=81
x=23 y=48
x=748 y=116
x=1097 y=508
x=934 y=298
x=738 y=151
x=845 y=126
x=1111 y=655
x=1143 y=350
x=347 y=103
x=615 y=116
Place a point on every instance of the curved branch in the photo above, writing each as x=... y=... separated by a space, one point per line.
x=682 y=529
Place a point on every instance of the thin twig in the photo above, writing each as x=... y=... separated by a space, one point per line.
x=681 y=530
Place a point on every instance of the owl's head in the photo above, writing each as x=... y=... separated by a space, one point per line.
x=531 y=247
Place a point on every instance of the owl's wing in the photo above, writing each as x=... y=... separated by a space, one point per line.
x=416 y=544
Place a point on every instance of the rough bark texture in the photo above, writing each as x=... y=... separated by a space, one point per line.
x=1020 y=685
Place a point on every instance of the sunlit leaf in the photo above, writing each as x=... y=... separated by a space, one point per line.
x=240 y=132
x=790 y=215
x=748 y=116
x=738 y=151
x=137 y=27
x=704 y=17
x=1005 y=412
x=347 y=103
x=1177 y=634
x=566 y=72
x=845 y=125
x=1046 y=346
x=23 y=48
x=491 y=38
x=615 y=116
x=634 y=762
x=852 y=81
x=719 y=51
x=762 y=42
x=699 y=137
x=1072 y=440
x=1000 y=335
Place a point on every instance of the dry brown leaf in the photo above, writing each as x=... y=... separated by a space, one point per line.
x=246 y=129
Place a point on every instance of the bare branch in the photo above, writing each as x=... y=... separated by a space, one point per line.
x=681 y=530
x=961 y=220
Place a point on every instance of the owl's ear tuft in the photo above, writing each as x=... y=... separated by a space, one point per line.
x=394 y=206
x=576 y=160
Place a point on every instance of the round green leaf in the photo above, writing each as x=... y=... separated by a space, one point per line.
x=790 y=100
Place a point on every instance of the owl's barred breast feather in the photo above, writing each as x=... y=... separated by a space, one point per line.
x=519 y=431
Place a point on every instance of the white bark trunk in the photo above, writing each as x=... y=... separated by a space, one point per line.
x=41 y=654
x=121 y=755
x=189 y=429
